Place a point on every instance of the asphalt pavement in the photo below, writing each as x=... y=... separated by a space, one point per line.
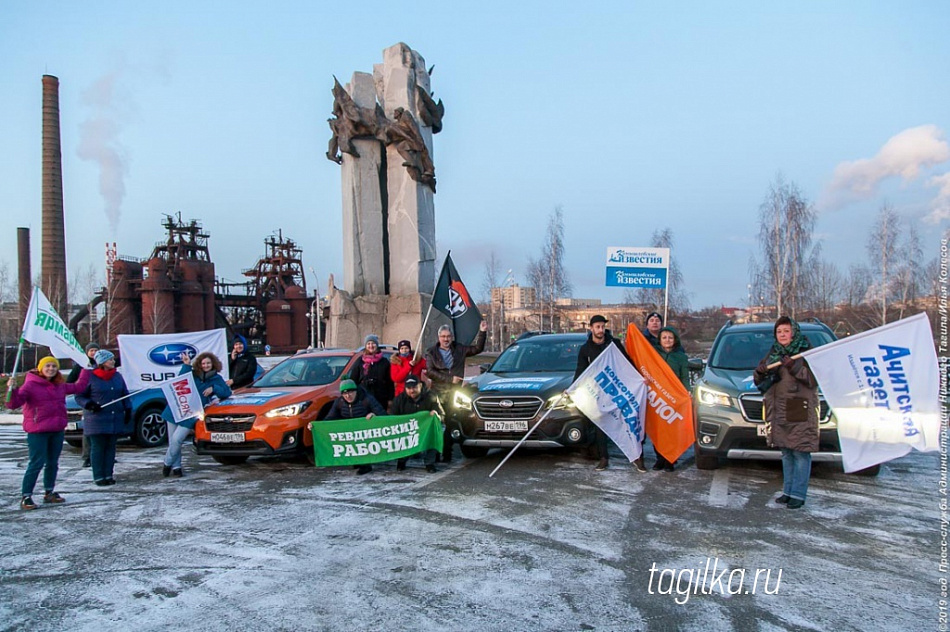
x=547 y=544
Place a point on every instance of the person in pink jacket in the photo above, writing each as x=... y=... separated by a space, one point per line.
x=43 y=399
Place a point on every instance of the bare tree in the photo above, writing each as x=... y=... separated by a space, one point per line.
x=882 y=251
x=536 y=275
x=490 y=281
x=826 y=287
x=856 y=284
x=907 y=272
x=678 y=297
x=786 y=224
x=555 y=283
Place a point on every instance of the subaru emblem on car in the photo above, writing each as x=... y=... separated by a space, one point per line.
x=506 y=403
x=169 y=354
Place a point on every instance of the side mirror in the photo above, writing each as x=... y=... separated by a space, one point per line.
x=483 y=368
x=696 y=364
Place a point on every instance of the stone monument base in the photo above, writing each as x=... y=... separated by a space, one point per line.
x=392 y=318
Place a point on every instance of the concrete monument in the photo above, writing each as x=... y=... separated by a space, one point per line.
x=382 y=138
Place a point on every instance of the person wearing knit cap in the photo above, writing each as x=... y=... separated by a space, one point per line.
x=242 y=365
x=372 y=372
x=91 y=348
x=652 y=331
x=403 y=364
x=354 y=402
x=43 y=399
x=106 y=416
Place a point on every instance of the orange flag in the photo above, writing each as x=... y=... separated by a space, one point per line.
x=669 y=417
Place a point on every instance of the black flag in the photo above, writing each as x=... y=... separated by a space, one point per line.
x=452 y=298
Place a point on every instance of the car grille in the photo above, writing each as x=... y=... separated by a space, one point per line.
x=493 y=407
x=751 y=406
x=229 y=423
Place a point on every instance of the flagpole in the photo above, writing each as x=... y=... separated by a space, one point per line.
x=425 y=321
x=19 y=350
x=525 y=438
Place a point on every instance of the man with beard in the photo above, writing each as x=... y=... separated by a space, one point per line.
x=597 y=341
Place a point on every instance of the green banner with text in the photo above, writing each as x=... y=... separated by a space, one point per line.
x=363 y=441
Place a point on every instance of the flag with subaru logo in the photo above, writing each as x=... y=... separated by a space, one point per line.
x=612 y=394
x=453 y=299
x=150 y=359
x=884 y=388
x=182 y=396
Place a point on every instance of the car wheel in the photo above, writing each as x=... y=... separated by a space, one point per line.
x=308 y=454
x=150 y=428
x=76 y=443
x=874 y=470
x=705 y=461
x=229 y=459
x=473 y=452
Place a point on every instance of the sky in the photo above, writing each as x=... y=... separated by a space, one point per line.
x=631 y=116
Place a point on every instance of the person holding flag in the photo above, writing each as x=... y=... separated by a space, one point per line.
x=104 y=418
x=212 y=387
x=791 y=408
x=43 y=399
x=671 y=350
x=599 y=339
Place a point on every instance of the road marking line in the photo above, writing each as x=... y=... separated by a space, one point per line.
x=719 y=489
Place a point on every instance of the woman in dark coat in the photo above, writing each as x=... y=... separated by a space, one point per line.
x=791 y=408
x=373 y=372
x=671 y=350
x=104 y=420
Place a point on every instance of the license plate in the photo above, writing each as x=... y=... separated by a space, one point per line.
x=760 y=430
x=71 y=425
x=506 y=426
x=227 y=437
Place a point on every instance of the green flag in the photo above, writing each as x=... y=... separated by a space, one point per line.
x=363 y=441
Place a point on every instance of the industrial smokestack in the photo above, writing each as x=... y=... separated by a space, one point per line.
x=24 y=276
x=53 y=268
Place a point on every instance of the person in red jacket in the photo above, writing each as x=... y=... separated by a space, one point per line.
x=402 y=365
x=43 y=399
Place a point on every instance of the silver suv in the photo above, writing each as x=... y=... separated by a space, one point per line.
x=728 y=407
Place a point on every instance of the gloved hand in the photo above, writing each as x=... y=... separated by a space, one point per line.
x=93 y=407
x=763 y=368
x=787 y=362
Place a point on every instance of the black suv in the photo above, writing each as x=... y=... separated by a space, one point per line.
x=728 y=406
x=496 y=409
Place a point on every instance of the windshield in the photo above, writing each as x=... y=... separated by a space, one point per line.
x=743 y=350
x=304 y=372
x=540 y=356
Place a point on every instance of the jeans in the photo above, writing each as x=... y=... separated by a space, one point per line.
x=102 y=455
x=45 y=448
x=176 y=438
x=796 y=469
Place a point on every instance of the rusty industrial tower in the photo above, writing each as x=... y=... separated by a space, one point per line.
x=53 y=268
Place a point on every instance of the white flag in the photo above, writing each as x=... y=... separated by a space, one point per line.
x=150 y=359
x=611 y=393
x=183 y=398
x=43 y=326
x=883 y=386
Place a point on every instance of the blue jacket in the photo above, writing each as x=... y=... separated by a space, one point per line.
x=111 y=419
x=203 y=381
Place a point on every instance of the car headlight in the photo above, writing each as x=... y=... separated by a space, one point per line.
x=560 y=402
x=288 y=411
x=462 y=401
x=710 y=397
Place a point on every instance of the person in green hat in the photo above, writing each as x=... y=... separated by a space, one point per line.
x=355 y=402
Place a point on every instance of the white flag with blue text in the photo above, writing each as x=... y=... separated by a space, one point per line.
x=883 y=386
x=611 y=393
x=182 y=396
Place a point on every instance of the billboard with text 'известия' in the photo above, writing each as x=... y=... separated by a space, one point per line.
x=637 y=267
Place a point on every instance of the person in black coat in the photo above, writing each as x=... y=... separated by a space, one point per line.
x=355 y=402
x=598 y=340
x=373 y=372
x=414 y=399
x=242 y=365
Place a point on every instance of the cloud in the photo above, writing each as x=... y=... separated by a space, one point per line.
x=904 y=155
x=940 y=207
x=99 y=139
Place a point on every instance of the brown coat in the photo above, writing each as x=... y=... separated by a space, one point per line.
x=791 y=408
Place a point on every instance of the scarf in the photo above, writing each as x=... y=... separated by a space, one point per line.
x=105 y=374
x=798 y=344
x=370 y=360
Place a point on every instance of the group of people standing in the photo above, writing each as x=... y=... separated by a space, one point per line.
x=400 y=385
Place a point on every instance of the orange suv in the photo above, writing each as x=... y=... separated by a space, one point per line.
x=271 y=417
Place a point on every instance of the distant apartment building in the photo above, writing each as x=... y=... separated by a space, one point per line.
x=513 y=296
